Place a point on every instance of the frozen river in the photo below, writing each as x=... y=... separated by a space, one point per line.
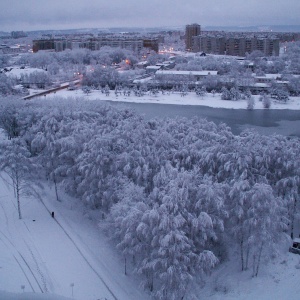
x=285 y=122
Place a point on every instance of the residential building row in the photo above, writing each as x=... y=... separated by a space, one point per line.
x=231 y=43
x=237 y=44
x=95 y=43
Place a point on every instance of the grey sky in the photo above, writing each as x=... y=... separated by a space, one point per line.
x=64 y=14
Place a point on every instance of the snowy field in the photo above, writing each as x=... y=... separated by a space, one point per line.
x=175 y=98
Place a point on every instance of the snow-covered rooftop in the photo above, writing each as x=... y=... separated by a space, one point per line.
x=153 y=67
x=269 y=76
x=17 y=71
x=194 y=73
x=142 y=63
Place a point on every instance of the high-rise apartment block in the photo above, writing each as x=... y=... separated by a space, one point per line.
x=190 y=32
x=236 y=43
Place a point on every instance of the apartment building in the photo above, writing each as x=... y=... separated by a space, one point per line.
x=133 y=44
x=18 y=34
x=236 y=44
x=190 y=32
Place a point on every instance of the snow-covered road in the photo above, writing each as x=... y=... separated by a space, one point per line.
x=65 y=255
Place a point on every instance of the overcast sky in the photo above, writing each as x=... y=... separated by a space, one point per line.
x=67 y=14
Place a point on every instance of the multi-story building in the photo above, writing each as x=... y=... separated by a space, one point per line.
x=43 y=44
x=18 y=34
x=234 y=43
x=95 y=43
x=191 y=31
x=211 y=44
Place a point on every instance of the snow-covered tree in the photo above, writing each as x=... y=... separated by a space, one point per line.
x=256 y=221
x=101 y=76
x=38 y=78
x=16 y=162
x=9 y=119
x=201 y=92
x=225 y=94
x=263 y=224
x=250 y=103
x=7 y=85
x=280 y=94
x=86 y=89
x=266 y=101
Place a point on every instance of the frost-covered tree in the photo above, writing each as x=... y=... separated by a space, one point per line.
x=9 y=119
x=294 y=86
x=279 y=94
x=225 y=94
x=263 y=224
x=256 y=221
x=288 y=189
x=46 y=149
x=40 y=60
x=184 y=90
x=177 y=253
x=16 y=162
x=266 y=101
x=7 y=85
x=250 y=103
x=86 y=89
x=4 y=60
x=235 y=94
x=201 y=92
x=38 y=78
x=101 y=76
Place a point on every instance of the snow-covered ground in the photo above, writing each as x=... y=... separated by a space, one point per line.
x=277 y=281
x=42 y=257
x=175 y=98
x=47 y=256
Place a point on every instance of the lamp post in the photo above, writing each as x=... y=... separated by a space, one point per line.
x=72 y=286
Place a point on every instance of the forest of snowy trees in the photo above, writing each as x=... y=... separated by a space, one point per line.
x=178 y=196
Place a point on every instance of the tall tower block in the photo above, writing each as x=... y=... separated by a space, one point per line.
x=190 y=31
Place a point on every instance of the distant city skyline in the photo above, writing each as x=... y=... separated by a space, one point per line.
x=70 y=14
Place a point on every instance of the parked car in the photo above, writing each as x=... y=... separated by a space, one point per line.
x=296 y=246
